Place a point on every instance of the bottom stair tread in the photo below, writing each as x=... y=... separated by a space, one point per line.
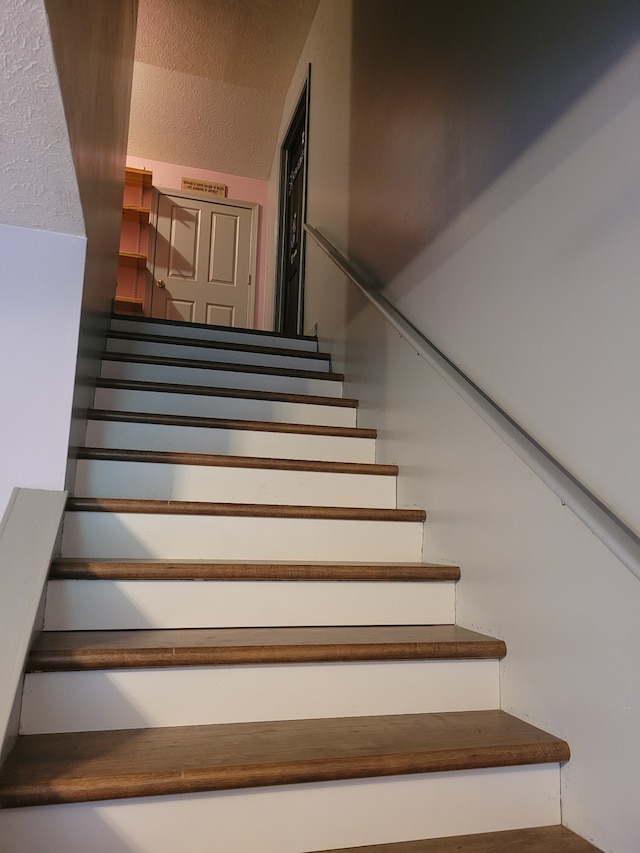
x=542 y=839
x=89 y=766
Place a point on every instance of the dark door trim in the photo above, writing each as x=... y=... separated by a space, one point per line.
x=300 y=116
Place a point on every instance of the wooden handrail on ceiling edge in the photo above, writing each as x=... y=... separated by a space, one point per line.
x=600 y=519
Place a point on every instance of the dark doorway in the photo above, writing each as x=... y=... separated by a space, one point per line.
x=291 y=237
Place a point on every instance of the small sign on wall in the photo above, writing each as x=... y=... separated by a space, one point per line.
x=194 y=185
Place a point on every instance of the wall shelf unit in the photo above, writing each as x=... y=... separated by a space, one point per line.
x=133 y=275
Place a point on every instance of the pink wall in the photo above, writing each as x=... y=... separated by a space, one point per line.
x=170 y=175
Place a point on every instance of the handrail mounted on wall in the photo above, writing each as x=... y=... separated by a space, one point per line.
x=599 y=518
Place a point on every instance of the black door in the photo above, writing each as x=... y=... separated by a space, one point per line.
x=292 y=213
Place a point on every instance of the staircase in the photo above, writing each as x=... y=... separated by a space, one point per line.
x=243 y=652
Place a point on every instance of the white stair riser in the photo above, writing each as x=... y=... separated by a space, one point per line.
x=135 y=347
x=296 y=818
x=220 y=378
x=114 y=535
x=84 y=605
x=158 y=481
x=277 y=445
x=205 y=406
x=191 y=696
x=239 y=336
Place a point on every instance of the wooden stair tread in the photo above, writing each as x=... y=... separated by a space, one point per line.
x=79 y=569
x=76 y=650
x=236 y=393
x=229 y=423
x=222 y=461
x=245 y=510
x=542 y=839
x=220 y=345
x=89 y=766
x=234 y=367
x=179 y=324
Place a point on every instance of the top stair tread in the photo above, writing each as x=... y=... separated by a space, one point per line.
x=229 y=366
x=76 y=650
x=541 y=839
x=100 y=765
x=230 y=346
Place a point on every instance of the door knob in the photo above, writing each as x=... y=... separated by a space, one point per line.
x=160 y=283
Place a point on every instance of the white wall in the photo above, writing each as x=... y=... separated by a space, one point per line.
x=328 y=49
x=42 y=267
x=533 y=290
x=531 y=574
x=42 y=276
x=63 y=152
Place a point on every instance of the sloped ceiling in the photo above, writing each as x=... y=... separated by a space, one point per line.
x=210 y=79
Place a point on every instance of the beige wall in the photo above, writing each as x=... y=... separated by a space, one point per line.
x=328 y=49
x=94 y=47
x=494 y=192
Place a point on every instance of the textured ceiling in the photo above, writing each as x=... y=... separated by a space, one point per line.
x=39 y=188
x=210 y=80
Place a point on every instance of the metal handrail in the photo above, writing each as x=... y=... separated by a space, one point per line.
x=601 y=520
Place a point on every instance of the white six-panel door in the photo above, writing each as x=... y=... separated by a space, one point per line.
x=205 y=260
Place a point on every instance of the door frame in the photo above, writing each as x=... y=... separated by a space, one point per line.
x=253 y=206
x=300 y=114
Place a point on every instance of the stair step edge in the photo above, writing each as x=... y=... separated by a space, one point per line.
x=78 y=569
x=222 y=461
x=228 y=423
x=228 y=346
x=159 y=507
x=179 y=324
x=91 y=766
x=93 y=650
x=235 y=393
x=543 y=839
x=232 y=367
